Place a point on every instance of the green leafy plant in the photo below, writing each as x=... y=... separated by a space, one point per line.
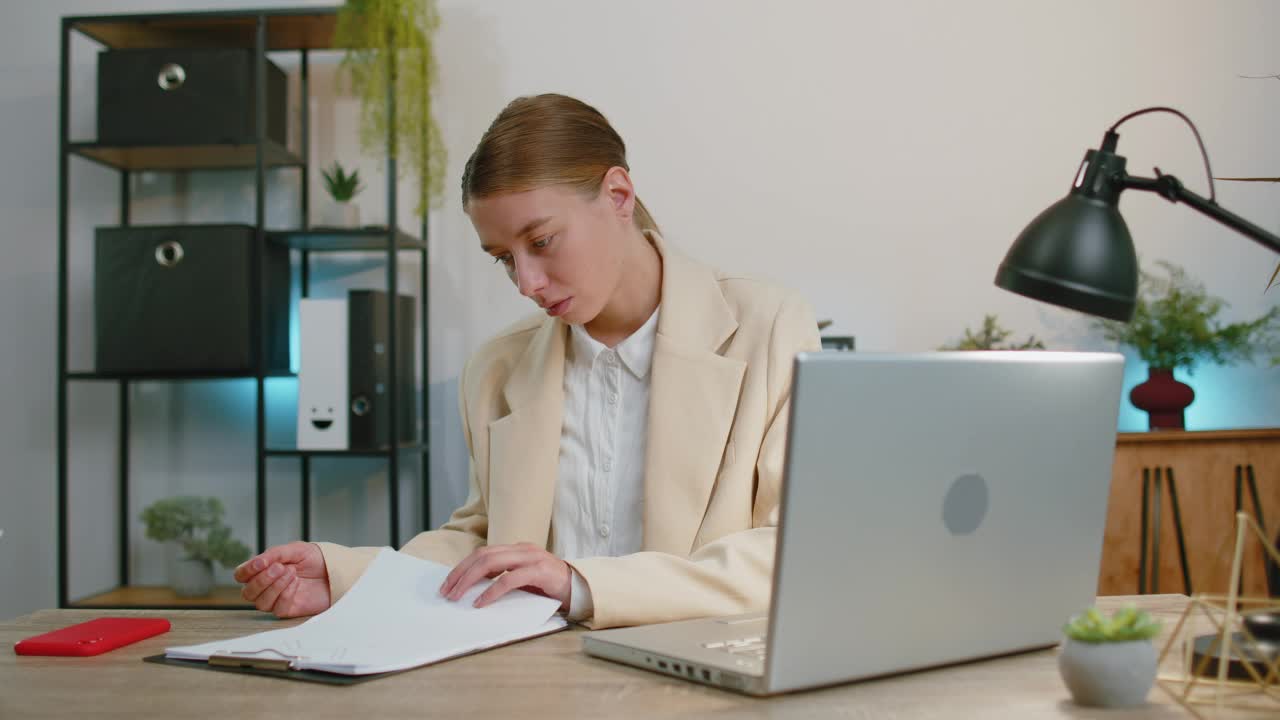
x=1174 y=325
x=1127 y=624
x=991 y=336
x=341 y=185
x=196 y=524
x=389 y=54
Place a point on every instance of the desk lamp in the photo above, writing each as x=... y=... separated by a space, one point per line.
x=1079 y=254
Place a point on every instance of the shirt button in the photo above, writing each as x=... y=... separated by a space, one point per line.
x=604 y=531
x=608 y=465
x=613 y=398
x=611 y=358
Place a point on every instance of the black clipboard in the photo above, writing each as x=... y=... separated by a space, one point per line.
x=314 y=676
x=279 y=669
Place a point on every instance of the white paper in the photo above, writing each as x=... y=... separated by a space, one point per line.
x=394 y=618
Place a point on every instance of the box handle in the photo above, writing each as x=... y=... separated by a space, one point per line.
x=169 y=254
x=171 y=77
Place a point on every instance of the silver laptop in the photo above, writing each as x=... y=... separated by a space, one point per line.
x=937 y=508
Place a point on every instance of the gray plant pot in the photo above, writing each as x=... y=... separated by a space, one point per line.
x=1114 y=674
x=191 y=578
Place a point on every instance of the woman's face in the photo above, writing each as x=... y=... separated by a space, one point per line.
x=563 y=250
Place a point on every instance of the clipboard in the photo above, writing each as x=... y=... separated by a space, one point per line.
x=285 y=673
x=281 y=668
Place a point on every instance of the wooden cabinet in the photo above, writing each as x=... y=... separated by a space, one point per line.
x=1204 y=471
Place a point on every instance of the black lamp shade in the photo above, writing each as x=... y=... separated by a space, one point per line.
x=1077 y=254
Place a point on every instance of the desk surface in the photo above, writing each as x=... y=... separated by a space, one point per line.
x=543 y=678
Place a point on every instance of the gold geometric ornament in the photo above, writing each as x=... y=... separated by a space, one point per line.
x=1201 y=683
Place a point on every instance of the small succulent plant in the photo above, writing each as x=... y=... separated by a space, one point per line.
x=1125 y=625
x=342 y=186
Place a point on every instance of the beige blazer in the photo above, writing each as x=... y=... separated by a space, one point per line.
x=718 y=408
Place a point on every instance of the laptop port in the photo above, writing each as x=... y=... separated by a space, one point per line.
x=675 y=666
x=662 y=664
x=706 y=675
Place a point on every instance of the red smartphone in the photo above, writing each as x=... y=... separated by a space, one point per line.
x=93 y=637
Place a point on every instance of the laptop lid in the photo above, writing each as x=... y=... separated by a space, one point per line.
x=938 y=507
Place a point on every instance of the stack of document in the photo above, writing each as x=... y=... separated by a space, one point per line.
x=393 y=618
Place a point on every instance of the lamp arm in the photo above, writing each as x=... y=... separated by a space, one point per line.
x=1172 y=189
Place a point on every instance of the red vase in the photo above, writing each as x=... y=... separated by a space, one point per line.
x=1164 y=399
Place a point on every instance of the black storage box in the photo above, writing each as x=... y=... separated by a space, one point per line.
x=185 y=96
x=177 y=299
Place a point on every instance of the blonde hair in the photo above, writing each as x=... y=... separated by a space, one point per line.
x=543 y=140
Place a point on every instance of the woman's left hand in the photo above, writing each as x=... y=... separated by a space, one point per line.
x=523 y=566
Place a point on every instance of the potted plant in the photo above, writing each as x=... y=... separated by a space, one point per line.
x=992 y=337
x=195 y=524
x=1109 y=662
x=389 y=56
x=342 y=188
x=1175 y=326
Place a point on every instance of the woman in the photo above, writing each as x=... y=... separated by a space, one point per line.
x=627 y=441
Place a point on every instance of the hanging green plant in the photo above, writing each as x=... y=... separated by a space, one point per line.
x=389 y=52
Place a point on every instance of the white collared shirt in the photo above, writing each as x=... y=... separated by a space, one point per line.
x=599 y=500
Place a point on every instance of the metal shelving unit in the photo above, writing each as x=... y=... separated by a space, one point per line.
x=300 y=30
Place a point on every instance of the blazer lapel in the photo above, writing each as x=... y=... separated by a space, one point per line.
x=693 y=397
x=524 y=446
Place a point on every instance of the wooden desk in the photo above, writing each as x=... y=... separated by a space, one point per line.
x=543 y=678
x=1203 y=464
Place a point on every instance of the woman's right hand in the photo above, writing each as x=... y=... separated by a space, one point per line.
x=287 y=580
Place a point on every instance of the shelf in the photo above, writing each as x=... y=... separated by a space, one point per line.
x=294 y=452
x=225 y=597
x=1182 y=436
x=175 y=377
x=338 y=239
x=287 y=36
x=227 y=156
x=287 y=29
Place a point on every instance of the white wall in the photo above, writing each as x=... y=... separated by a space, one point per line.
x=878 y=155
x=883 y=155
